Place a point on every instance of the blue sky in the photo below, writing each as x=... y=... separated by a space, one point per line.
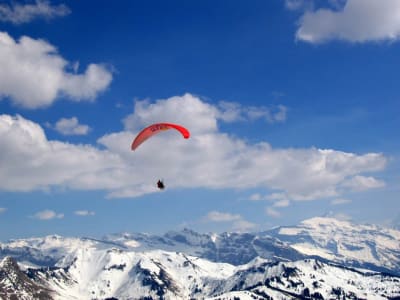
x=292 y=107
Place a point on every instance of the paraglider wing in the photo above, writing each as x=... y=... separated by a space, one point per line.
x=157 y=128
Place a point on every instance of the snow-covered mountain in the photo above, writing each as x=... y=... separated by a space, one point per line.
x=367 y=246
x=314 y=260
x=233 y=248
x=116 y=274
x=15 y=284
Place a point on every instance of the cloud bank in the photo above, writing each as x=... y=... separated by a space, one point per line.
x=24 y=13
x=34 y=75
x=355 y=21
x=209 y=159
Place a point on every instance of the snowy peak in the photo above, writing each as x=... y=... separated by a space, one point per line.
x=367 y=246
x=314 y=260
x=332 y=225
x=345 y=242
x=14 y=284
x=311 y=279
x=233 y=248
x=48 y=250
x=96 y=274
x=189 y=237
x=101 y=274
x=8 y=263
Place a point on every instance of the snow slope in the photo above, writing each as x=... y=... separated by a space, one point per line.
x=101 y=274
x=368 y=246
x=314 y=260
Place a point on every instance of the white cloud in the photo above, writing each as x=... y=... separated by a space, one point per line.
x=278 y=115
x=243 y=226
x=232 y=111
x=84 y=213
x=337 y=4
x=277 y=196
x=362 y=183
x=339 y=201
x=30 y=161
x=342 y=217
x=294 y=4
x=216 y=216
x=338 y=216
x=282 y=203
x=238 y=223
x=256 y=197
x=23 y=13
x=48 y=215
x=71 y=126
x=188 y=110
x=201 y=116
x=209 y=159
x=279 y=199
x=2 y=209
x=33 y=74
x=356 y=21
x=272 y=212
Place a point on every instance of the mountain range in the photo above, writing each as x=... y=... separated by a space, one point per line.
x=320 y=258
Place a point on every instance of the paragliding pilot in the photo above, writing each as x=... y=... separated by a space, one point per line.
x=160 y=185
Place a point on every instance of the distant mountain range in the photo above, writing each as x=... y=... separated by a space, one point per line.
x=321 y=258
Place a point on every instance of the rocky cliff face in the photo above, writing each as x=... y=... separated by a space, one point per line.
x=15 y=284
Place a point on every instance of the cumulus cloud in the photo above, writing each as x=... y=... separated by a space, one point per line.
x=232 y=111
x=278 y=199
x=17 y=13
x=2 y=209
x=355 y=21
x=34 y=75
x=272 y=212
x=48 y=215
x=282 y=203
x=362 y=183
x=256 y=197
x=338 y=216
x=84 y=213
x=187 y=110
x=200 y=115
x=209 y=159
x=238 y=223
x=30 y=161
x=216 y=216
x=295 y=4
x=339 y=201
x=71 y=126
x=243 y=226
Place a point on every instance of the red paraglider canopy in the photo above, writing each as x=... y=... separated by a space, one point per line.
x=157 y=128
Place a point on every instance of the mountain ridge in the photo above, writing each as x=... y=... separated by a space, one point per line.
x=358 y=245
x=280 y=263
